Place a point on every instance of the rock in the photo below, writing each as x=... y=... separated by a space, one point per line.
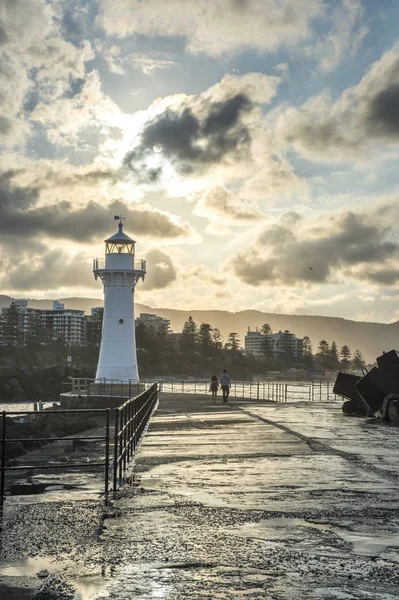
x=55 y=588
x=43 y=573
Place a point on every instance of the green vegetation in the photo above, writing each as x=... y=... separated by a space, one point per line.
x=197 y=351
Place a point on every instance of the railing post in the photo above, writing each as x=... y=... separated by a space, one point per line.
x=286 y=392
x=116 y=450
x=121 y=424
x=257 y=391
x=106 y=487
x=3 y=461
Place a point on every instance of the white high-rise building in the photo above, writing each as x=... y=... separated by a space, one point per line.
x=119 y=272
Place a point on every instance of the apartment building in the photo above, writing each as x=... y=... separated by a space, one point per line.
x=21 y=324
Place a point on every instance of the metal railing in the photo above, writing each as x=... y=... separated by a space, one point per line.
x=275 y=391
x=125 y=262
x=110 y=387
x=130 y=422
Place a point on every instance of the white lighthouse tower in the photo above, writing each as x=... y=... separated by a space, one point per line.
x=119 y=273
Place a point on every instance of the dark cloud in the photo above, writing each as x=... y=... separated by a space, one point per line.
x=285 y=255
x=387 y=276
x=160 y=270
x=3 y=35
x=21 y=217
x=363 y=115
x=190 y=141
x=384 y=111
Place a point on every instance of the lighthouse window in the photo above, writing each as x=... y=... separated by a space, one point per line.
x=121 y=321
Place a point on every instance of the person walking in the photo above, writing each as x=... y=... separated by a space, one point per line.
x=214 y=387
x=225 y=382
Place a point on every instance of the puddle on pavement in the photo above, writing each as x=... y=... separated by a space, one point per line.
x=339 y=594
x=90 y=587
x=284 y=483
x=371 y=544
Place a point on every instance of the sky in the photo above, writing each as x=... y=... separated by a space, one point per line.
x=250 y=145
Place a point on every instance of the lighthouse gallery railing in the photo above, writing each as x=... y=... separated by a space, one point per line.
x=126 y=262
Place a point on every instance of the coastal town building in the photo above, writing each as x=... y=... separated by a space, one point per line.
x=154 y=322
x=92 y=326
x=274 y=344
x=254 y=343
x=21 y=324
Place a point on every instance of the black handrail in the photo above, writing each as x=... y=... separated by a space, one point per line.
x=130 y=421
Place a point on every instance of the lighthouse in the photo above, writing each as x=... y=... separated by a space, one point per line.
x=119 y=273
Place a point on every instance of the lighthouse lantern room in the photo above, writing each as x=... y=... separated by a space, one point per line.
x=119 y=272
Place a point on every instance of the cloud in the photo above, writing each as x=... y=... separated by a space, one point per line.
x=197 y=132
x=35 y=62
x=202 y=274
x=343 y=39
x=74 y=121
x=217 y=27
x=296 y=252
x=21 y=215
x=160 y=270
x=223 y=204
x=363 y=118
x=119 y=60
x=190 y=143
x=49 y=270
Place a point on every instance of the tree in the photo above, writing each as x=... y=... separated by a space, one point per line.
x=233 y=342
x=287 y=348
x=323 y=348
x=357 y=361
x=345 y=357
x=159 y=341
x=307 y=353
x=323 y=354
x=217 y=338
x=205 y=338
x=142 y=338
x=266 y=330
x=189 y=338
x=334 y=364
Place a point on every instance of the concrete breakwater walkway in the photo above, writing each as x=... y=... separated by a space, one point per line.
x=277 y=501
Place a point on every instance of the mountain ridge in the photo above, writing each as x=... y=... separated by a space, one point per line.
x=371 y=338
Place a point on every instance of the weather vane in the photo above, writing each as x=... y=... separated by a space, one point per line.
x=119 y=218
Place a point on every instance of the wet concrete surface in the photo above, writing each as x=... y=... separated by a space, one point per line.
x=277 y=501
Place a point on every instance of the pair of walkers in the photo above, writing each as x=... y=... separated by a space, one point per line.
x=225 y=384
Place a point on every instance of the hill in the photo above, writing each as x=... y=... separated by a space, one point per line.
x=370 y=338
